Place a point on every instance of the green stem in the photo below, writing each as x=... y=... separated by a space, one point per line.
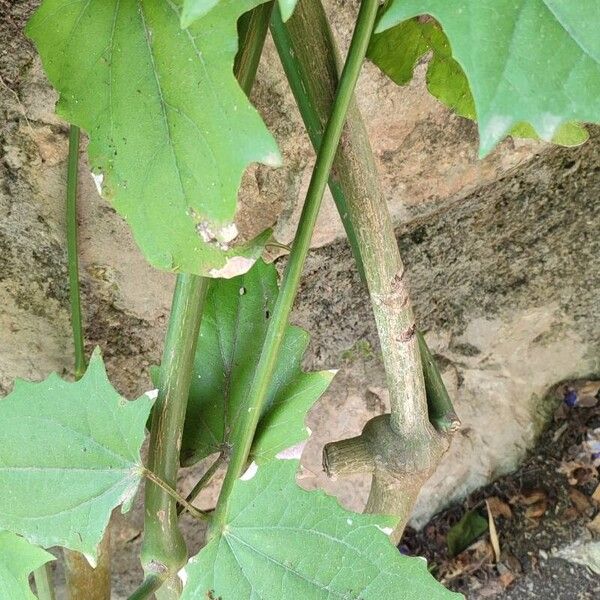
x=315 y=125
x=43 y=582
x=252 y=31
x=204 y=481
x=185 y=505
x=441 y=412
x=82 y=580
x=151 y=584
x=310 y=59
x=399 y=450
x=291 y=279
x=164 y=546
x=72 y=252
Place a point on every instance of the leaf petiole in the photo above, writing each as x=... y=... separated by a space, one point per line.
x=198 y=514
x=203 y=481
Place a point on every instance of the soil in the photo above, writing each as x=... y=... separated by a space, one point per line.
x=542 y=508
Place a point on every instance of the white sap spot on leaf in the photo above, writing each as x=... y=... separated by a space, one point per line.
x=152 y=394
x=236 y=265
x=205 y=232
x=98 y=179
x=495 y=128
x=91 y=560
x=349 y=521
x=547 y=126
x=292 y=453
x=272 y=160
x=228 y=233
x=183 y=576
x=250 y=472
x=386 y=530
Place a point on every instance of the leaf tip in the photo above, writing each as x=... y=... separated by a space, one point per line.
x=491 y=131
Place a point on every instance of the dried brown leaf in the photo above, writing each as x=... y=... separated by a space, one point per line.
x=499 y=508
x=493 y=533
x=569 y=515
x=594 y=524
x=529 y=497
x=506 y=579
x=537 y=510
x=587 y=393
x=596 y=495
x=580 y=501
x=578 y=472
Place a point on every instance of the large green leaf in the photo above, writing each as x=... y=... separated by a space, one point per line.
x=281 y=541
x=18 y=558
x=194 y=9
x=69 y=454
x=171 y=131
x=234 y=325
x=287 y=8
x=535 y=62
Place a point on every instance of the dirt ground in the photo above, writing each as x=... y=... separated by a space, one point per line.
x=545 y=514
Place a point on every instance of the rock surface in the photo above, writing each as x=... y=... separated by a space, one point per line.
x=503 y=256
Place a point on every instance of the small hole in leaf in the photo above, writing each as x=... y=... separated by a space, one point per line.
x=242 y=291
x=267 y=314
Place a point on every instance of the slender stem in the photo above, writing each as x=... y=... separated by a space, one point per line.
x=198 y=514
x=441 y=412
x=72 y=252
x=204 y=481
x=312 y=44
x=400 y=449
x=314 y=89
x=82 y=580
x=314 y=120
x=151 y=584
x=43 y=582
x=252 y=30
x=291 y=279
x=164 y=546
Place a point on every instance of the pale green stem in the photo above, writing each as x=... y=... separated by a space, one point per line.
x=204 y=480
x=291 y=280
x=164 y=546
x=72 y=252
x=43 y=582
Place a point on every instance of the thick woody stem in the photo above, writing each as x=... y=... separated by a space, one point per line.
x=407 y=447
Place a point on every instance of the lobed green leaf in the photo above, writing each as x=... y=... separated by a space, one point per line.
x=234 y=326
x=396 y=51
x=529 y=63
x=171 y=131
x=281 y=541
x=18 y=558
x=69 y=454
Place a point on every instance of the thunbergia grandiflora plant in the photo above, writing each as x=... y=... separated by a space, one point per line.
x=161 y=89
